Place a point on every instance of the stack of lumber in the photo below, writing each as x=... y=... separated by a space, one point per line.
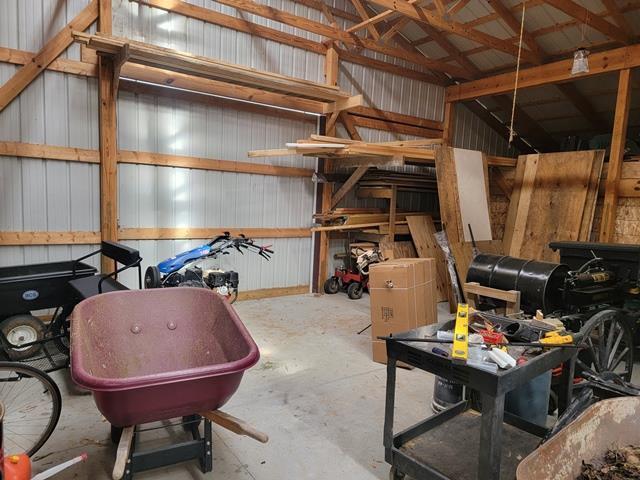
x=405 y=182
x=356 y=152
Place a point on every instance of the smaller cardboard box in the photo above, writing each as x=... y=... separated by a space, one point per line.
x=403 y=296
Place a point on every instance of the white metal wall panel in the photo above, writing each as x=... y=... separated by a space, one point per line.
x=472 y=133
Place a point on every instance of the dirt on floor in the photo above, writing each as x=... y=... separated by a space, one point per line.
x=618 y=464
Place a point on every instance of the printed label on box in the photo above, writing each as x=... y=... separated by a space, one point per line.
x=387 y=314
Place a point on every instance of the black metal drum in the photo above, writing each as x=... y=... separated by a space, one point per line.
x=539 y=283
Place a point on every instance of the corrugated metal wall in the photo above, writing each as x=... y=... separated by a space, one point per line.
x=59 y=109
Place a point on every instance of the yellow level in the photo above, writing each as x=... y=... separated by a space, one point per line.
x=460 y=350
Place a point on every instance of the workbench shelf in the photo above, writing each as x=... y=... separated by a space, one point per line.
x=459 y=443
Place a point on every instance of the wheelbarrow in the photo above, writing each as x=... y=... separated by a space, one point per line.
x=606 y=424
x=152 y=355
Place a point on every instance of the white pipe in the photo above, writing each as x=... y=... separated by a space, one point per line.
x=58 y=468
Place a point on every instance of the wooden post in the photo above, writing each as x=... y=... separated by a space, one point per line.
x=108 y=155
x=392 y=213
x=618 y=140
x=448 y=123
x=331 y=66
x=104 y=19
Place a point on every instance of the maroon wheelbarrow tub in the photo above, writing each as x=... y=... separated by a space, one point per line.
x=150 y=355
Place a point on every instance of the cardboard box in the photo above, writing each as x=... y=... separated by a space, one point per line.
x=403 y=296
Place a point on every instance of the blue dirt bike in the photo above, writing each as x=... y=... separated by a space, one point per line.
x=181 y=271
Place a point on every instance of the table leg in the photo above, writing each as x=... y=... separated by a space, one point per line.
x=491 y=437
x=565 y=392
x=389 y=403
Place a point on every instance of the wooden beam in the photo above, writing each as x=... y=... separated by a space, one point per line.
x=333 y=33
x=370 y=62
x=93 y=238
x=104 y=17
x=209 y=232
x=108 y=142
x=349 y=125
x=449 y=26
x=71 y=154
x=52 y=50
x=400 y=128
x=459 y=5
x=272 y=292
x=166 y=58
x=395 y=117
x=619 y=18
x=513 y=23
x=550 y=73
x=449 y=124
x=235 y=23
x=588 y=17
x=49 y=238
x=347 y=186
x=618 y=141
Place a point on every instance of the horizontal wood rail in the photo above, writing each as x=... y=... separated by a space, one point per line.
x=93 y=238
x=72 y=154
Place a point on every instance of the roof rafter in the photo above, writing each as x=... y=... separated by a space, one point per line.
x=336 y=34
x=424 y=15
x=619 y=18
x=588 y=17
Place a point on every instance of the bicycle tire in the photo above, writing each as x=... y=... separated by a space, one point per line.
x=16 y=414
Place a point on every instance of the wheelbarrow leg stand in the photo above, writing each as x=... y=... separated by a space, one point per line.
x=128 y=461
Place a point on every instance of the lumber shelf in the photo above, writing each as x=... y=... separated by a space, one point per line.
x=166 y=58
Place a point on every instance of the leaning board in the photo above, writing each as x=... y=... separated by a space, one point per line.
x=553 y=198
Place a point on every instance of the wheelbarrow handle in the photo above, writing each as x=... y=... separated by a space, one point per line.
x=236 y=425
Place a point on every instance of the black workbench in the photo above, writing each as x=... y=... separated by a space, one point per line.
x=459 y=443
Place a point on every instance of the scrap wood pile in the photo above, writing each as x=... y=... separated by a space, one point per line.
x=406 y=182
x=618 y=464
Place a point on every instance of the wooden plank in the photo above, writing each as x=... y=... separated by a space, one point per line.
x=52 y=50
x=338 y=228
x=210 y=232
x=72 y=154
x=108 y=148
x=49 y=238
x=393 y=204
x=448 y=195
x=550 y=73
x=449 y=123
x=347 y=186
x=166 y=58
x=392 y=250
x=553 y=202
x=396 y=117
x=422 y=231
x=618 y=143
x=235 y=425
x=272 y=292
x=400 y=128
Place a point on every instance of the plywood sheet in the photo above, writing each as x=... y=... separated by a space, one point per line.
x=553 y=198
x=393 y=250
x=473 y=200
x=422 y=230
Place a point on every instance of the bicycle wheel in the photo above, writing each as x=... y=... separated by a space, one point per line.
x=32 y=405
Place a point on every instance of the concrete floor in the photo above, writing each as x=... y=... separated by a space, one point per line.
x=315 y=391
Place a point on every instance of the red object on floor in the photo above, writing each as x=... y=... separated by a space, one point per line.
x=17 y=467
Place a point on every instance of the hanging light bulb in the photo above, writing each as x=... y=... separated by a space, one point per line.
x=580 y=61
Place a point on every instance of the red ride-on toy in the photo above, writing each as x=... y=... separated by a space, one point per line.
x=354 y=281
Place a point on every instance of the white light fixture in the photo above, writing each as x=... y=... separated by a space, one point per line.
x=580 y=61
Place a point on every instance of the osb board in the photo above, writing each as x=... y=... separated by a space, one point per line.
x=449 y=193
x=422 y=230
x=553 y=198
x=393 y=250
x=463 y=254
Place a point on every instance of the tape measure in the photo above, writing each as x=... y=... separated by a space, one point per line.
x=460 y=350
